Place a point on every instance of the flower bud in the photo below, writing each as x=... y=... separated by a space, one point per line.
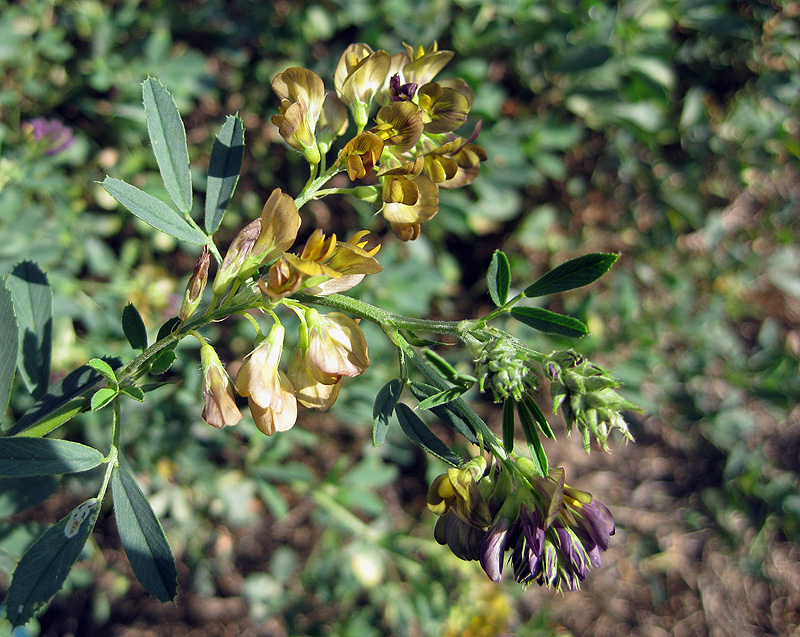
x=237 y=254
x=195 y=286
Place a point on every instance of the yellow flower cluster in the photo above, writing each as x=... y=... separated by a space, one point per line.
x=330 y=347
x=412 y=147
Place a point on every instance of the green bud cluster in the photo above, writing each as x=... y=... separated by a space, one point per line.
x=503 y=369
x=587 y=396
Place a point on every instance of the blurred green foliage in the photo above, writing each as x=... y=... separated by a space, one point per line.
x=663 y=129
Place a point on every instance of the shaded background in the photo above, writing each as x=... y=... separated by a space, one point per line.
x=666 y=130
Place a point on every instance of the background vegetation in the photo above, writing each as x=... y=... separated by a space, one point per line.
x=666 y=130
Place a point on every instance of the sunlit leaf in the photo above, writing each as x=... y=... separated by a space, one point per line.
x=9 y=335
x=168 y=138
x=498 y=278
x=550 y=322
x=20 y=457
x=33 y=307
x=572 y=274
x=153 y=211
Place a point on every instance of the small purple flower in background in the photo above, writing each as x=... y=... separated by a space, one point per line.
x=57 y=136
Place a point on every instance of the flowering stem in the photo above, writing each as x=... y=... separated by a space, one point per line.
x=313 y=186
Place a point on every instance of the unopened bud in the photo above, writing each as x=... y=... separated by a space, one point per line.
x=195 y=286
x=237 y=253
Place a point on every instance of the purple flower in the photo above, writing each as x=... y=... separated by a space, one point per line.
x=58 y=136
x=493 y=548
x=401 y=92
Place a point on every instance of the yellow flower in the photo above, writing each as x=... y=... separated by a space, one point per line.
x=359 y=74
x=313 y=388
x=398 y=184
x=336 y=344
x=302 y=94
x=280 y=222
x=424 y=65
x=458 y=490
x=443 y=109
x=352 y=261
x=426 y=206
x=269 y=392
x=219 y=409
x=360 y=155
x=399 y=125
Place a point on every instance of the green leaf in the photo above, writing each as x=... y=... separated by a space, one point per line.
x=102 y=397
x=153 y=211
x=550 y=322
x=509 y=424
x=162 y=362
x=43 y=568
x=446 y=413
x=223 y=171
x=63 y=401
x=442 y=397
x=572 y=274
x=168 y=327
x=9 y=336
x=137 y=393
x=33 y=307
x=20 y=457
x=168 y=137
x=18 y=494
x=143 y=538
x=498 y=278
x=581 y=58
x=538 y=455
x=538 y=416
x=101 y=366
x=442 y=367
x=133 y=326
x=382 y=410
x=419 y=433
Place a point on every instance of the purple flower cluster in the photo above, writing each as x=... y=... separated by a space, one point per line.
x=56 y=135
x=554 y=550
